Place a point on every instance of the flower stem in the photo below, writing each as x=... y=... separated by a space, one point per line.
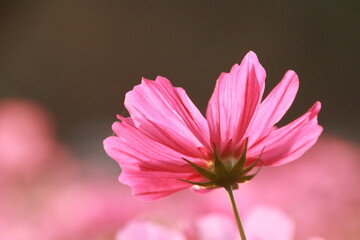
x=229 y=190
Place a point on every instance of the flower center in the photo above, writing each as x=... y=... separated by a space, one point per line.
x=226 y=173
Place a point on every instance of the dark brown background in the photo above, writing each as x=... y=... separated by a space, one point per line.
x=78 y=58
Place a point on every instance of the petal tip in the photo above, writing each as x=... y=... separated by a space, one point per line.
x=105 y=141
x=314 y=110
x=291 y=74
x=108 y=145
x=115 y=126
x=317 y=107
x=144 y=81
x=118 y=116
x=233 y=68
x=252 y=55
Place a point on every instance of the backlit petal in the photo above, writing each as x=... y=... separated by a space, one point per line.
x=259 y=70
x=290 y=142
x=233 y=103
x=150 y=168
x=167 y=116
x=273 y=108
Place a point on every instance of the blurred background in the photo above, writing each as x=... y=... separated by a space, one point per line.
x=65 y=67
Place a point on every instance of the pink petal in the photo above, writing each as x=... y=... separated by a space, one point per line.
x=150 y=168
x=194 y=119
x=274 y=107
x=150 y=185
x=233 y=103
x=289 y=142
x=259 y=70
x=167 y=115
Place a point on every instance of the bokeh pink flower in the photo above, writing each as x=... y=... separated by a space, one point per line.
x=262 y=222
x=165 y=126
x=45 y=194
x=66 y=197
x=26 y=139
x=148 y=231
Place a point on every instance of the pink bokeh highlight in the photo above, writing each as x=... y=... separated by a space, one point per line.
x=26 y=138
x=262 y=223
x=65 y=197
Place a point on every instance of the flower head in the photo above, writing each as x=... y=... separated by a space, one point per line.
x=166 y=138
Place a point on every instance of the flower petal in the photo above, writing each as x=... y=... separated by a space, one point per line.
x=233 y=103
x=289 y=142
x=274 y=107
x=259 y=70
x=194 y=119
x=150 y=168
x=150 y=188
x=166 y=115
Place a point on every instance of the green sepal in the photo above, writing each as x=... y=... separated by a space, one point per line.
x=202 y=184
x=245 y=179
x=221 y=176
x=248 y=169
x=220 y=168
x=202 y=171
x=239 y=166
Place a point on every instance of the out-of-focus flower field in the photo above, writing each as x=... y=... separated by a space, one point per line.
x=47 y=192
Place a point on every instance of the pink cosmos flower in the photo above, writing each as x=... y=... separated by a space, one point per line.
x=165 y=127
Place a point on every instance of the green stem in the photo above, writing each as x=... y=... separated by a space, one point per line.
x=229 y=190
